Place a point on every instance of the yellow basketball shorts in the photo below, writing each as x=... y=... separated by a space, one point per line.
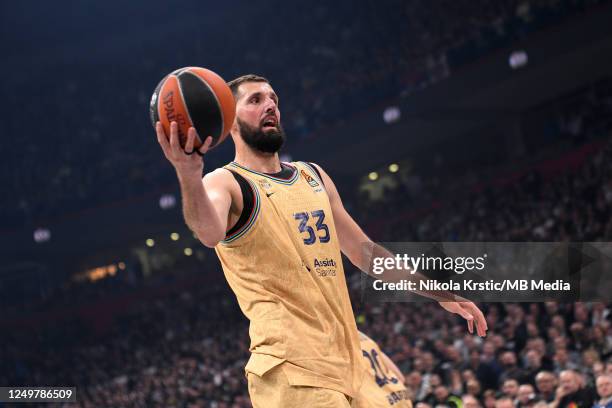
x=272 y=390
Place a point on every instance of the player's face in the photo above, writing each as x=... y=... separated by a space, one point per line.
x=258 y=117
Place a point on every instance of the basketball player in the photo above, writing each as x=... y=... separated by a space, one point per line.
x=278 y=229
x=383 y=384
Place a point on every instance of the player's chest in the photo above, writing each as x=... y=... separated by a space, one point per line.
x=288 y=199
x=302 y=208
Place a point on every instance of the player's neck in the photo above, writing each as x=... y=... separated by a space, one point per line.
x=258 y=161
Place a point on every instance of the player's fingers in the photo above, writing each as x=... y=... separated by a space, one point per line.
x=190 y=142
x=481 y=321
x=159 y=129
x=462 y=311
x=163 y=141
x=197 y=138
x=467 y=316
x=161 y=136
x=482 y=324
x=174 y=137
x=205 y=146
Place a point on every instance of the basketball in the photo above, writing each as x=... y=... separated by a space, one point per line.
x=197 y=97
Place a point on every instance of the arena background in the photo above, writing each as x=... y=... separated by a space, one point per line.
x=438 y=120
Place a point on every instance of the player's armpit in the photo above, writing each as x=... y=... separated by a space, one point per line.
x=351 y=236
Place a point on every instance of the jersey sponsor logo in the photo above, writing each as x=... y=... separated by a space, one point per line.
x=325 y=267
x=324 y=262
x=310 y=179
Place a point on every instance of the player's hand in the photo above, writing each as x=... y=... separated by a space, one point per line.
x=470 y=312
x=188 y=161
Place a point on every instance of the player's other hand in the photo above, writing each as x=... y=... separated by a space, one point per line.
x=470 y=312
x=186 y=161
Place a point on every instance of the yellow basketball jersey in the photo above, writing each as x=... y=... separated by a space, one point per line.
x=285 y=267
x=380 y=387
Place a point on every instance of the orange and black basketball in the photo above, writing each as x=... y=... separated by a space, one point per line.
x=197 y=97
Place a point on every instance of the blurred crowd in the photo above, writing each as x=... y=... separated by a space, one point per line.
x=187 y=347
x=83 y=139
x=571 y=206
x=189 y=350
x=534 y=354
x=566 y=197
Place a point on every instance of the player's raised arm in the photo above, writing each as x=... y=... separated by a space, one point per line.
x=353 y=241
x=206 y=202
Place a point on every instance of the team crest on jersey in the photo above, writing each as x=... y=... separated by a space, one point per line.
x=310 y=179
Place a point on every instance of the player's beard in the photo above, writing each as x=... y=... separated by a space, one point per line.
x=267 y=142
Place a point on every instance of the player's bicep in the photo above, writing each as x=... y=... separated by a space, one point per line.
x=218 y=190
x=351 y=236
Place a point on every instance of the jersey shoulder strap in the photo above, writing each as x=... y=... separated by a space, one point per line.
x=248 y=202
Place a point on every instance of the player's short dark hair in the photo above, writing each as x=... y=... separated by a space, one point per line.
x=234 y=84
